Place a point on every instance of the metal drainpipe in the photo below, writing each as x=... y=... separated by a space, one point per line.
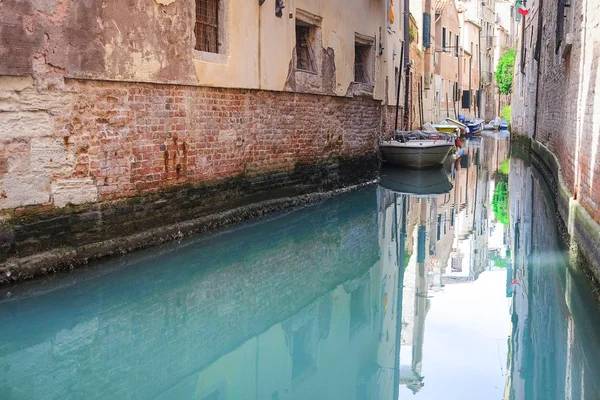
x=539 y=63
x=479 y=66
x=406 y=57
x=406 y=36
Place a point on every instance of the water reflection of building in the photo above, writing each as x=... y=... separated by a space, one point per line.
x=298 y=307
x=553 y=352
x=473 y=179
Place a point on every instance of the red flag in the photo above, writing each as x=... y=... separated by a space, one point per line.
x=523 y=11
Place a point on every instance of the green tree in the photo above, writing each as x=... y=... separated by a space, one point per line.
x=504 y=72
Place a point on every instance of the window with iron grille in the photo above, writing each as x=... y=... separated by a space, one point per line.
x=207 y=26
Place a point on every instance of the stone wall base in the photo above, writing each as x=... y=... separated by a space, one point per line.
x=42 y=240
x=583 y=231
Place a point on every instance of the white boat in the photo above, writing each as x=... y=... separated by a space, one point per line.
x=417 y=149
x=463 y=128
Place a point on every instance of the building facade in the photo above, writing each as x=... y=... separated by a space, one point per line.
x=554 y=103
x=105 y=102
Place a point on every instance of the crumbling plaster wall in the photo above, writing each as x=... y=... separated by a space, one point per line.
x=153 y=41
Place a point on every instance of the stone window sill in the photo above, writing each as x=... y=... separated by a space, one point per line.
x=305 y=71
x=216 y=58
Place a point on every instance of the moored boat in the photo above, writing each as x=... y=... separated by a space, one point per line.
x=417 y=149
x=463 y=128
x=475 y=125
x=504 y=125
x=447 y=128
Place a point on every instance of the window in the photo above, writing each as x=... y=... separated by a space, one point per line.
x=359 y=308
x=450 y=42
x=304 y=350
x=305 y=59
x=456 y=48
x=207 y=26
x=362 y=62
x=443 y=39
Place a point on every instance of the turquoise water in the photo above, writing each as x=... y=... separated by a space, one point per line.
x=398 y=290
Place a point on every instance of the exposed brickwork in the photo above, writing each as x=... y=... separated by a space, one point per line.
x=130 y=157
x=565 y=119
x=136 y=138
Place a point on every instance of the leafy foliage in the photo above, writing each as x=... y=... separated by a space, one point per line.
x=505 y=167
x=505 y=113
x=500 y=262
x=411 y=34
x=504 y=71
x=500 y=201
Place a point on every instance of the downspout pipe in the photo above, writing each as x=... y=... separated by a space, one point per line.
x=479 y=72
x=406 y=36
x=406 y=65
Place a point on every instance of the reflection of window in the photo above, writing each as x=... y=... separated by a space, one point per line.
x=304 y=350
x=216 y=395
x=359 y=308
x=217 y=392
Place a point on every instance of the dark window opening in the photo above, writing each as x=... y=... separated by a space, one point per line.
x=456 y=48
x=443 y=39
x=304 y=357
x=304 y=53
x=207 y=26
x=362 y=63
x=560 y=24
x=359 y=308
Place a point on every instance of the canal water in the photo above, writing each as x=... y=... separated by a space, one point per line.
x=440 y=284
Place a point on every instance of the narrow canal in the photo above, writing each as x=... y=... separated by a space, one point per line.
x=450 y=284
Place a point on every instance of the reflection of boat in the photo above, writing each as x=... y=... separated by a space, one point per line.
x=417 y=149
x=421 y=182
x=493 y=125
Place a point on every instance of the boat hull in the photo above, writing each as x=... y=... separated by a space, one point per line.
x=415 y=154
x=446 y=128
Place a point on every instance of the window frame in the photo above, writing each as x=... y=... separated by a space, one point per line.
x=222 y=34
x=369 y=43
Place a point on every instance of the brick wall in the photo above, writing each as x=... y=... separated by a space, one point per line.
x=85 y=161
x=566 y=120
x=172 y=304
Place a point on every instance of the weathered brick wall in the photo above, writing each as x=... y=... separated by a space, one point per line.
x=184 y=313
x=87 y=161
x=124 y=139
x=566 y=114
